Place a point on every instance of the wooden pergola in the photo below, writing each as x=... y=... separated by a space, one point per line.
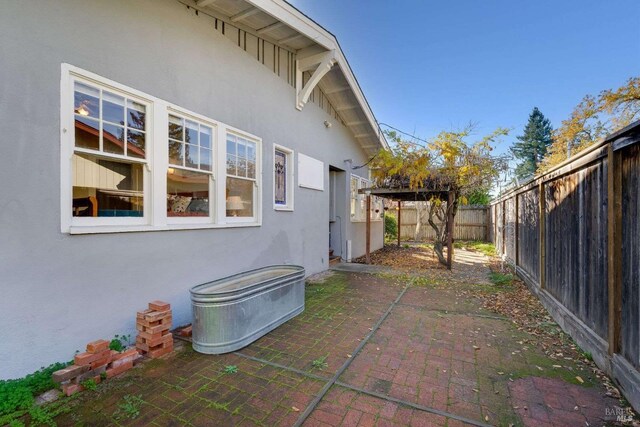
x=406 y=195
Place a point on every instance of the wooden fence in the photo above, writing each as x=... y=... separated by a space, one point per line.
x=471 y=223
x=574 y=237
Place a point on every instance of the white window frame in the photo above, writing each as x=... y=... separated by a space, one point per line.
x=257 y=181
x=156 y=165
x=289 y=179
x=212 y=218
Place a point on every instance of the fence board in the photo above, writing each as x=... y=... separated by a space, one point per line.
x=630 y=322
x=471 y=223
x=528 y=233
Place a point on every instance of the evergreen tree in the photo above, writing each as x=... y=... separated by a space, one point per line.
x=531 y=147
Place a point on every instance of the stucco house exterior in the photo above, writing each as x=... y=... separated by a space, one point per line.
x=153 y=145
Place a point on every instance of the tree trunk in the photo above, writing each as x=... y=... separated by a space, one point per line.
x=440 y=212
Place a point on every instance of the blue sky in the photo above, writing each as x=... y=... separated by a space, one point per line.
x=426 y=66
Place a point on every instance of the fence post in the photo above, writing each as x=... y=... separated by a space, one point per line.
x=504 y=225
x=516 y=232
x=399 y=223
x=614 y=248
x=368 y=238
x=542 y=208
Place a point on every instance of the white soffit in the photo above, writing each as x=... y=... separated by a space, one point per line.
x=284 y=25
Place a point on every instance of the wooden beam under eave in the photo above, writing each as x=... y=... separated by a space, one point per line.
x=346 y=107
x=244 y=14
x=290 y=38
x=337 y=90
x=204 y=3
x=271 y=27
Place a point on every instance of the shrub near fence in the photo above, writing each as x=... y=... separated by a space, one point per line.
x=574 y=237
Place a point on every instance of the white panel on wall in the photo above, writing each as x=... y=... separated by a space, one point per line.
x=310 y=172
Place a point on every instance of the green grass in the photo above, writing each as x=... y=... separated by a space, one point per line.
x=476 y=245
x=130 y=408
x=320 y=363
x=501 y=279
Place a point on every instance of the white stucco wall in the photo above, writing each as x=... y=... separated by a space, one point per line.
x=61 y=291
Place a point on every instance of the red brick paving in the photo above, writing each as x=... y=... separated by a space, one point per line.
x=437 y=348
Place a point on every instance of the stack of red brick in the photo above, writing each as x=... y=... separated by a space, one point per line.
x=153 y=324
x=97 y=361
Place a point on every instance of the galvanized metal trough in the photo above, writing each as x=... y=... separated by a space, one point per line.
x=230 y=313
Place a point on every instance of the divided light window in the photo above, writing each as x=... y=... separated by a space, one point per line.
x=241 y=176
x=190 y=172
x=133 y=162
x=109 y=156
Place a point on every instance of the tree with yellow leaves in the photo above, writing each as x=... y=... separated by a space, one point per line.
x=448 y=162
x=594 y=118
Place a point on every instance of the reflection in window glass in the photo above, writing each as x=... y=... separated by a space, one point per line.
x=190 y=144
x=107 y=188
x=187 y=193
x=105 y=120
x=239 y=197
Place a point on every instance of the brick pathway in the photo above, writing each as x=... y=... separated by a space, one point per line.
x=437 y=358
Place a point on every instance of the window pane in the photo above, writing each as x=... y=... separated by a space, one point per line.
x=242 y=149
x=106 y=187
x=251 y=169
x=112 y=138
x=239 y=197
x=205 y=159
x=192 y=133
x=86 y=132
x=187 y=193
x=176 y=128
x=231 y=165
x=135 y=144
x=191 y=155
x=205 y=136
x=251 y=151
x=176 y=156
x=231 y=146
x=86 y=100
x=112 y=108
x=136 y=115
x=242 y=167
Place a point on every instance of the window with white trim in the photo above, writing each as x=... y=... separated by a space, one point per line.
x=109 y=163
x=133 y=162
x=241 y=177
x=282 y=178
x=359 y=201
x=190 y=172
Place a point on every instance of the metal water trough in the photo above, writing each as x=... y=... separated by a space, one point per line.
x=230 y=313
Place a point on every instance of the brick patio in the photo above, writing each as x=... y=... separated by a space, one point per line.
x=430 y=355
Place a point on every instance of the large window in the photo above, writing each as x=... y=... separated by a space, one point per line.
x=282 y=178
x=133 y=162
x=109 y=154
x=190 y=172
x=241 y=177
